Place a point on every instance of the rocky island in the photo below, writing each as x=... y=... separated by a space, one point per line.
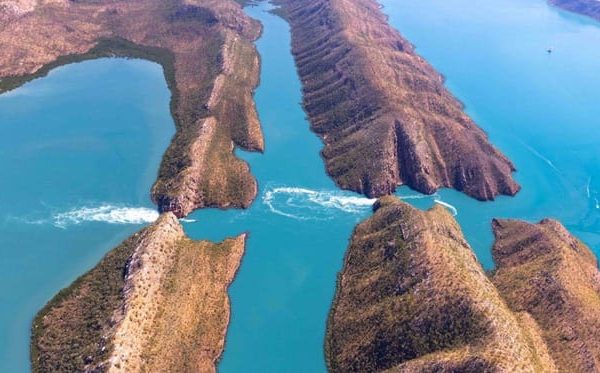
x=412 y=298
x=590 y=8
x=156 y=303
x=383 y=112
x=210 y=64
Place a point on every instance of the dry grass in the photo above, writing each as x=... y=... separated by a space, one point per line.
x=156 y=303
x=545 y=271
x=412 y=296
x=189 y=331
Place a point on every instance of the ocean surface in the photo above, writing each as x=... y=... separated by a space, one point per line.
x=79 y=152
x=82 y=146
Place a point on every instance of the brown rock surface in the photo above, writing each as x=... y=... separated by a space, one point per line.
x=545 y=271
x=412 y=298
x=157 y=303
x=382 y=111
x=210 y=63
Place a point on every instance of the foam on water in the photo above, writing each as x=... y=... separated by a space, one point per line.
x=107 y=213
x=306 y=204
x=452 y=209
x=102 y=213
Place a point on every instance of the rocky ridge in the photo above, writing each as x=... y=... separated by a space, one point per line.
x=545 y=271
x=383 y=112
x=412 y=297
x=590 y=8
x=157 y=303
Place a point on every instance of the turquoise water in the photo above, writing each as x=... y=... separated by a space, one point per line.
x=79 y=152
x=86 y=141
x=540 y=109
x=537 y=108
x=299 y=228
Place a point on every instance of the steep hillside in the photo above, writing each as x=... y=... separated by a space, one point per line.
x=156 y=303
x=545 y=271
x=412 y=297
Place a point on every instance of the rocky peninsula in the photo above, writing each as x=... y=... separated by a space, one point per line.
x=412 y=298
x=210 y=64
x=590 y=8
x=156 y=303
x=382 y=111
x=545 y=271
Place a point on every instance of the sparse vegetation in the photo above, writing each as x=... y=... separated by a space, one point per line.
x=158 y=302
x=73 y=330
x=544 y=271
x=412 y=297
x=189 y=331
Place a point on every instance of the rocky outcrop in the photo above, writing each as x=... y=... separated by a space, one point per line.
x=590 y=8
x=156 y=303
x=210 y=63
x=382 y=111
x=412 y=298
x=545 y=271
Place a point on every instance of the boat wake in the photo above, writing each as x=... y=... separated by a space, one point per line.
x=541 y=157
x=100 y=213
x=592 y=194
x=106 y=213
x=307 y=204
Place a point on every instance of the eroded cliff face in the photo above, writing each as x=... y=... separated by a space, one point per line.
x=382 y=111
x=590 y=8
x=156 y=303
x=545 y=271
x=412 y=297
x=211 y=65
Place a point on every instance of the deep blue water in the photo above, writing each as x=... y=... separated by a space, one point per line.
x=82 y=144
x=91 y=135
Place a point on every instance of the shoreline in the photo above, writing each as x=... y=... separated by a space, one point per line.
x=586 y=8
x=222 y=94
x=233 y=105
x=156 y=263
